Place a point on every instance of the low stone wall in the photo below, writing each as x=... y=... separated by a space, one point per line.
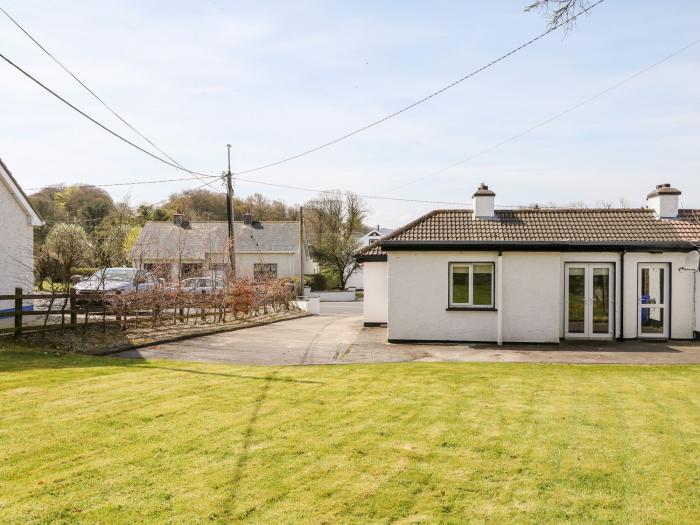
x=335 y=296
x=310 y=305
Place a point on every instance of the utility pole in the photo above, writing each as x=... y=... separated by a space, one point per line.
x=229 y=213
x=302 y=245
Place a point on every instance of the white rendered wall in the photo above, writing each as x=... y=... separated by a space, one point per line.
x=287 y=263
x=356 y=279
x=16 y=247
x=418 y=299
x=531 y=297
x=376 y=301
x=696 y=276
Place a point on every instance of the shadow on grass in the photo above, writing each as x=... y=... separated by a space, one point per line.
x=146 y=364
x=20 y=357
x=227 y=505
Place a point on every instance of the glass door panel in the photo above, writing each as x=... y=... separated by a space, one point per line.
x=576 y=290
x=652 y=321
x=652 y=283
x=653 y=308
x=600 y=300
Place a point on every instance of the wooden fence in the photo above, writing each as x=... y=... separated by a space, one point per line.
x=69 y=308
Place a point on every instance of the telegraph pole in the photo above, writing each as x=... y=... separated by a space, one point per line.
x=229 y=213
x=302 y=245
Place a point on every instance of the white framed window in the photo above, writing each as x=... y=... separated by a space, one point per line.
x=471 y=285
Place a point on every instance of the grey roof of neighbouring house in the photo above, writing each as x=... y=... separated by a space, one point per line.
x=561 y=228
x=167 y=240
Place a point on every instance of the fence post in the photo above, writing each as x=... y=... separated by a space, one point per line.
x=73 y=312
x=18 y=312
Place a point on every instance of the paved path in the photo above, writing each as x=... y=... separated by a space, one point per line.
x=337 y=336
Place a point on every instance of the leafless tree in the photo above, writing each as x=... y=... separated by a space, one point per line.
x=559 y=11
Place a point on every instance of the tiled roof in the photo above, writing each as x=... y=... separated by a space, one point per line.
x=166 y=239
x=536 y=225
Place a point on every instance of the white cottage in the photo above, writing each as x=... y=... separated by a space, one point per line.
x=180 y=248
x=538 y=275
x=18 y=219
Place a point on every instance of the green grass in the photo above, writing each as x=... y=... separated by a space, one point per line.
x=99 y=440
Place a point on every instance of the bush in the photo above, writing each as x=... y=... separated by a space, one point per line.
x=316 y=281
x=332 y=280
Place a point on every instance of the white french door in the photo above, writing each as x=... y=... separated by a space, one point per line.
x=589 y=300
x=652 y=300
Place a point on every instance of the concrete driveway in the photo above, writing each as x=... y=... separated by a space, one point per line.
x=337 y=336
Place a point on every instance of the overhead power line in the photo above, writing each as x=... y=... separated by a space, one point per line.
x=382 y=197
x=97 y=97
x=315 y=190
x=548 y=120
x=132 y=183
x=96 y=122
x=426 y=98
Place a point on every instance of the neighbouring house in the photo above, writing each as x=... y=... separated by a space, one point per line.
x=18 y=219
x=538 y=275
x=178 y=249
x=356 y=279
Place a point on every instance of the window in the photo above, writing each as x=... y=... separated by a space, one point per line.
x=471 y=285
x=262 y=272
x=190 y=269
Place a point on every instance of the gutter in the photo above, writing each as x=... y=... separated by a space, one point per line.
x=371 y=258
x=558 y=246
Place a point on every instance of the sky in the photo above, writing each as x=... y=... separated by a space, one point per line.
x=277 y=78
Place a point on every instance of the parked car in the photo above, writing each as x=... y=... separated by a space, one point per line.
x=113 y=280
x=202 y=284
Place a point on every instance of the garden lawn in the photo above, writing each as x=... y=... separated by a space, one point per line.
x=103 y=440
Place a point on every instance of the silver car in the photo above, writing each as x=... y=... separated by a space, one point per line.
x=202 y=285
x=113 y=280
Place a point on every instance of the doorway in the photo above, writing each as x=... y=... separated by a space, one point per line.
x=652 y=300
x=589 y=300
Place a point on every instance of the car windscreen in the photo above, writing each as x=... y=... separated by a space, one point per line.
x=114 y=274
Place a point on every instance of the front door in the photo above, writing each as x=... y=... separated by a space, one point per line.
x=589 y=303
x=652 y=293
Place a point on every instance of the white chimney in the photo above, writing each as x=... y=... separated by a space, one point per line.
x=483 y=202
x=664 y=201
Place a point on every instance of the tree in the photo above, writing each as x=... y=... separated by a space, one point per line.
x=558 y=11
x=72 y=203
x=130 y=241
x=334 y=222
x=68 y=244
x=198 y=205
x=44 y=202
